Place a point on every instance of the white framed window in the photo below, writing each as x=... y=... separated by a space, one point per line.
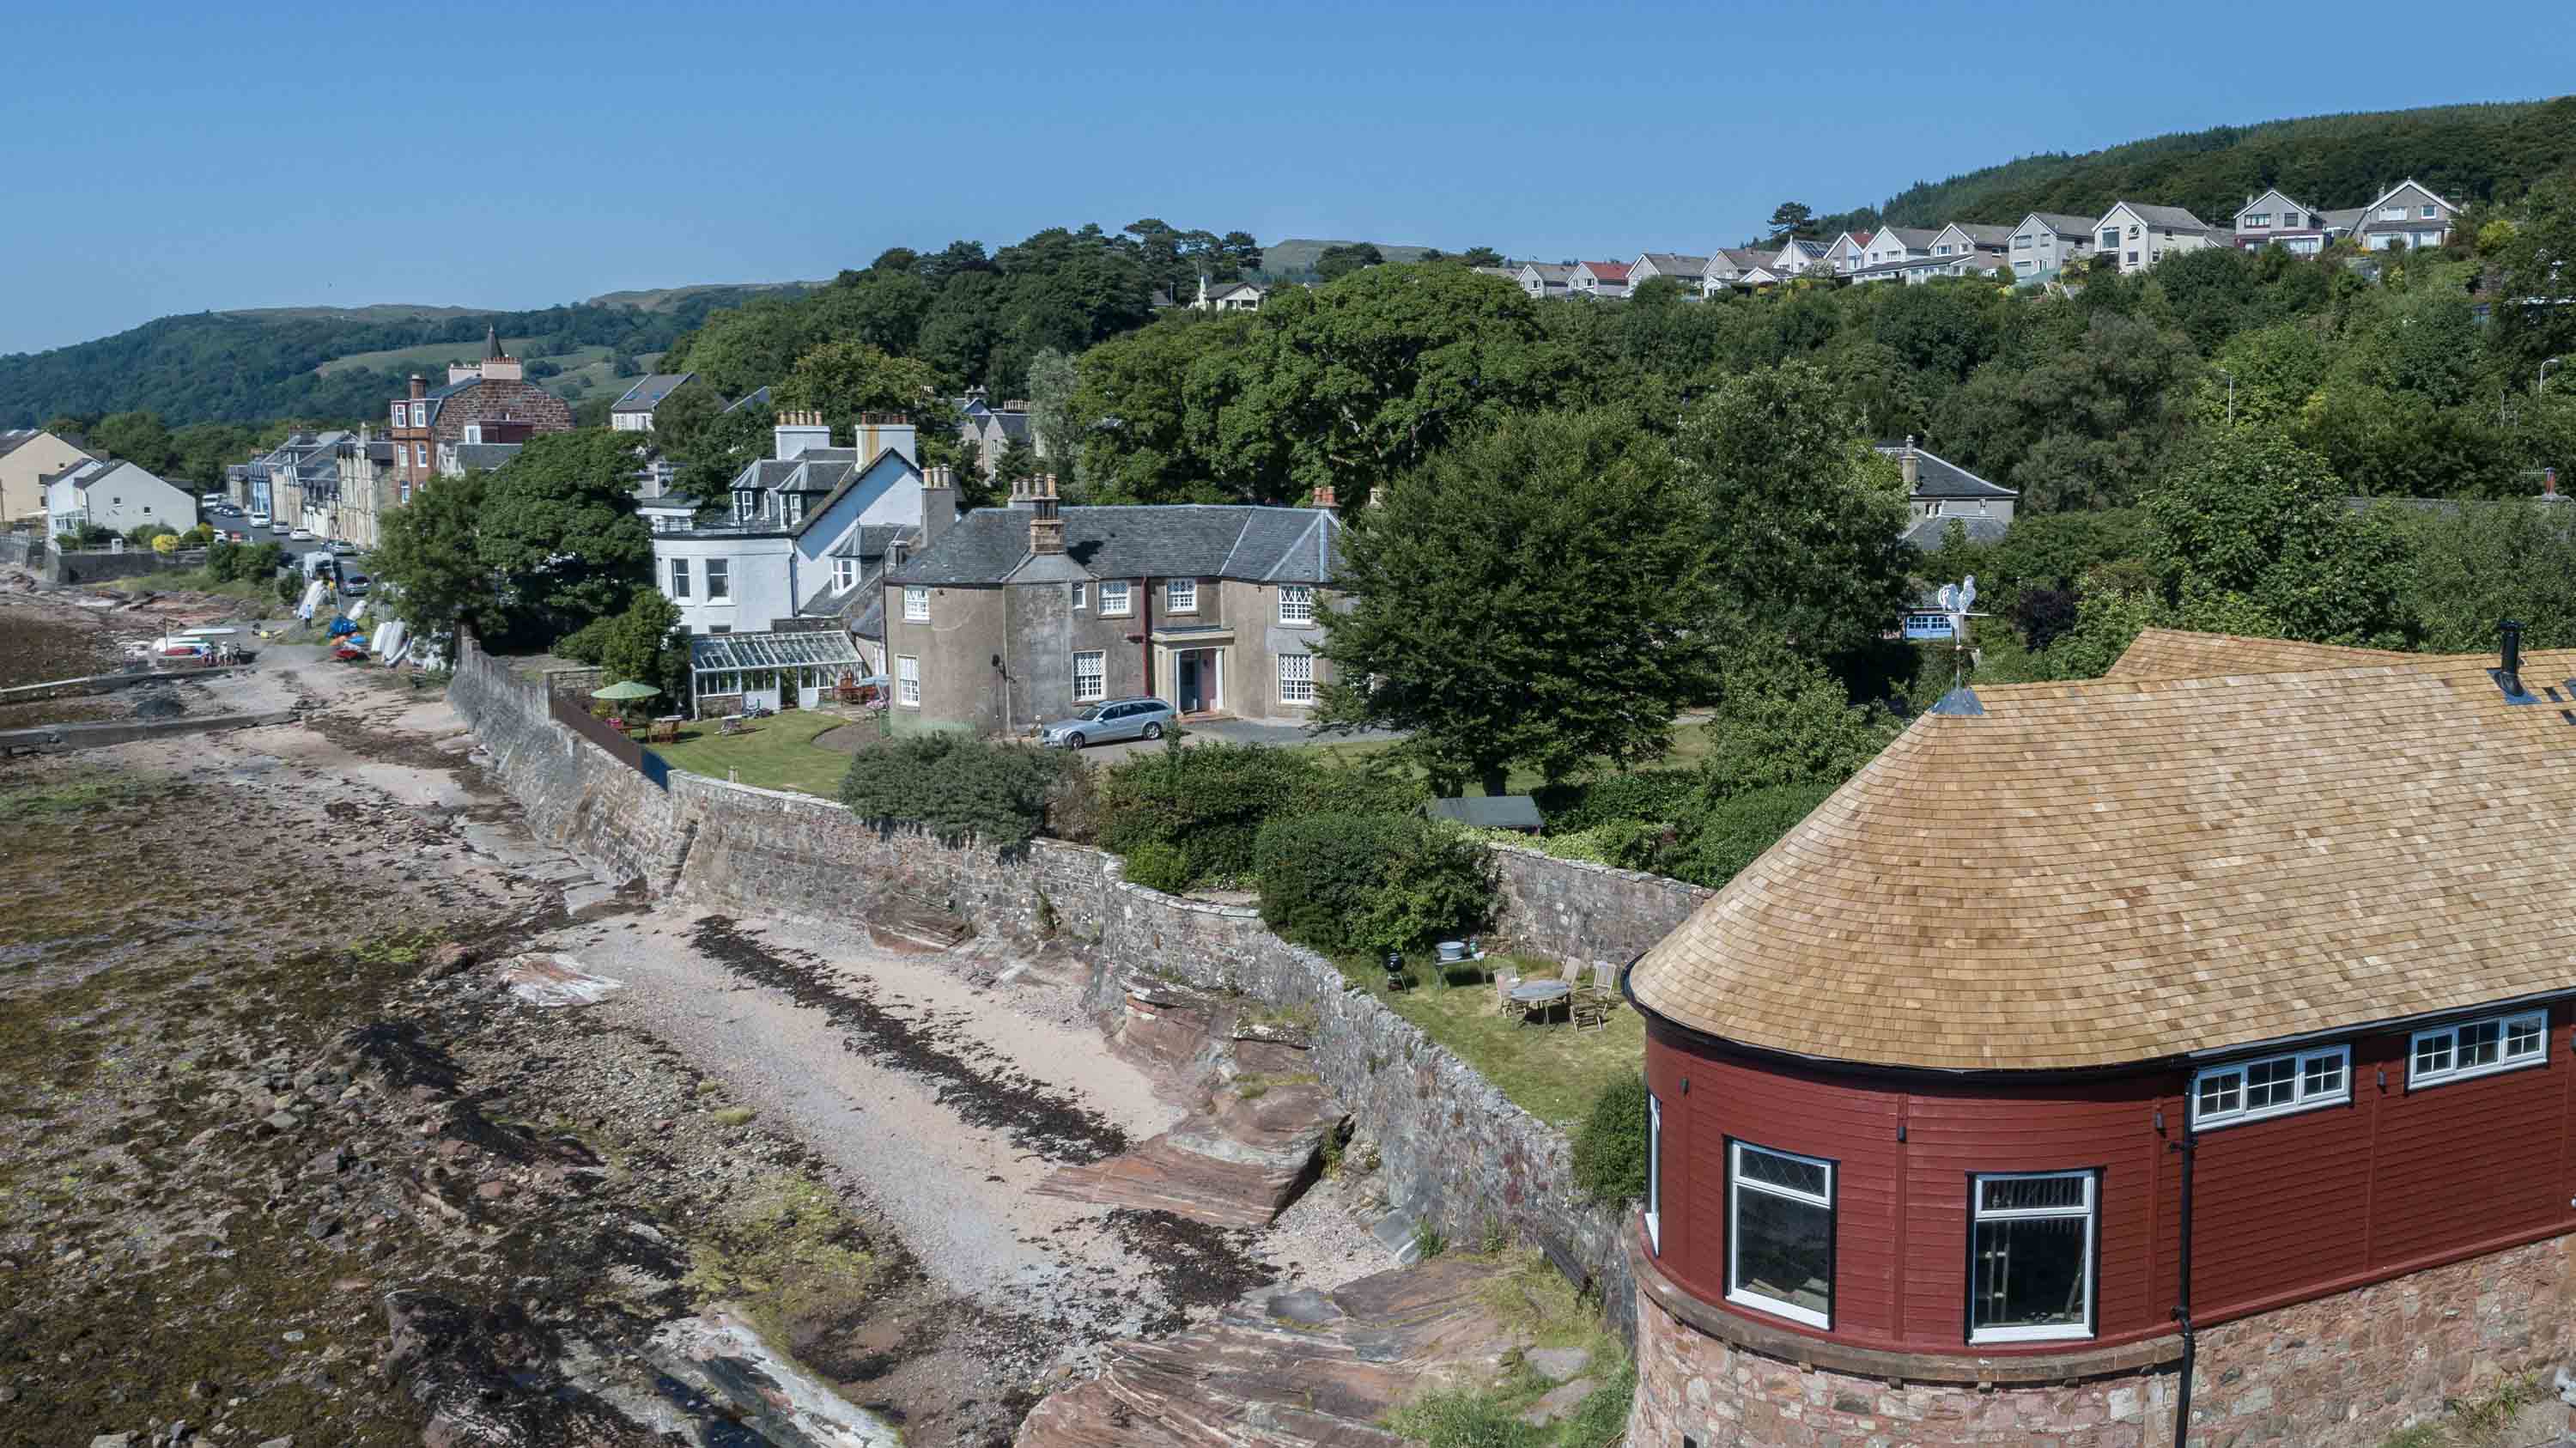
x=1654 y=1174
x=916 y=605
x=907 y=681
x=1090 y=676
x=2030 y=1255
x=398 y=414
x=1780 y=1233
x=2392 y=213
x=1081 y=596
x=2478 y=1048
x=1114 y=600
x=719 y=579
x=2427 y=211
x=1181 y=595
x=1296 y=678
x=420 y=454
x=1296 y=604
x=2271 y=1086
x=845 y=572
x=2258 y=219
x=679 y=578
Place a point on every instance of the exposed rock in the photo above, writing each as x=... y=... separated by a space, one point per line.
x=447 y=960
x=1560 y=1402
x=281 y=1121
x=112 y=1440
x=1558 y=1364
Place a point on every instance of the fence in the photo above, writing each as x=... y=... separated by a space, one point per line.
x=619 y=747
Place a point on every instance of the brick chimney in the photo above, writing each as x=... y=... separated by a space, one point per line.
x=938 y=503
x=1912 y=465
x=1325 y=500
x=888 y=432
x=419 y=387
x=1046 y=526
x=800 y=432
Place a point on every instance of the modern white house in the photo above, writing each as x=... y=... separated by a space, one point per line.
x=1969 y=238
x=1896 y=243
x=1691 y=271
x=1797 y=254
x=791 y=548
x=1607 y=279
x=2141 y=235
x=2406 y=213
x=1736 y=268
x=2048 y=242
x=1544 y=279
x=1848 y=252
x=1229 y=296
x=116 y=495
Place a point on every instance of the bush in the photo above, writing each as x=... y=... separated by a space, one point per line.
x=224 y=560
x=956 y=786
x=1158 y=866
x=1646 y=794
x=1610 y=1146
x=1729 y=834
x=1350 y=884
x=1209 y=800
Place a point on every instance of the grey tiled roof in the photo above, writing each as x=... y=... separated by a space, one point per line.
x=1926 y=533
x=756 y=399
x=872 y=540
x=1982 y=234
x=2344 y=220
x=1938 y=477
x=2174 y=217
x=2063 y=224
x=1911 y=236
x=1182 y=540
x=649 y=390
x=486 y=455
x=1676 y=263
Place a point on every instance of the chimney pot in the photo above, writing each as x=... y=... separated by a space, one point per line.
x=1910 y=464
x=2509 y=646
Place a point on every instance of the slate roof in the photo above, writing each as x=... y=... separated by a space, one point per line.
x=2061 y=223
x=1552 y=272
x=1811 y=250
x=1925 y=535
x=1675 y=263
x=2210 y=851
x=1909 y=237
x=2344 y=220
x=486 y=455
x=1938 y=477
x=1995 y=237
x=755 y=399
x=2174 y=218
x=1179 y=540
x=649 y=390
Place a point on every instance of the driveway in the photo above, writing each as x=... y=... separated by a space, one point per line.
x=1240 y=731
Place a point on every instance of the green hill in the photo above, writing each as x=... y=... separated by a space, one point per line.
x=2468 y=154
x=670 y=299
x=336 y=362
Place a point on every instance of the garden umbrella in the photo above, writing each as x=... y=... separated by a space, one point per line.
x=628 y=690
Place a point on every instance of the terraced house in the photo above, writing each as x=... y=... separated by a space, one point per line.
x=2187 y=1053
x=1026 y=614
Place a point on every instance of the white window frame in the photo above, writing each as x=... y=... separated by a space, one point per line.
x=1180 y=595
x=2259 y=221
x=1654 y=1213
x=1117 y=600
x=2291 y=219
x=2533 y=1024
x=916 y=604
x=2392 y=213
x=1297 y=690
x=679 y=578
x=2090 y=1211
x=1098 y=677
x=2231 y=1086
x=1303 y=597
x=845 y=572
x=1736 y=1183
x=2427 y=211
x=719 y=575
x=1081 y=596
x=907 y=681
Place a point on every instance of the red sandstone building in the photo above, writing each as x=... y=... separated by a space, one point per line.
x=495 y=395
x=2200 y=1035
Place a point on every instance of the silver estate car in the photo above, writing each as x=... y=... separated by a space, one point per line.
x=1109 y=721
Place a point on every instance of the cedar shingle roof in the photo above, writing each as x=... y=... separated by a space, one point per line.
x=2132 y=868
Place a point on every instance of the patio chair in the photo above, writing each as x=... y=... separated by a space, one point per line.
x=1590 y=1008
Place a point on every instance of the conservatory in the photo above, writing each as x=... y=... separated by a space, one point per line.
x=771 y=670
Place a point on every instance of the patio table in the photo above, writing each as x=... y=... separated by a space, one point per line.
x=1537 y=997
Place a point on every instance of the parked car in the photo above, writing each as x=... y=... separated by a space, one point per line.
x=259 y=520
x=343 y=548
x=354 y=584
x=1109 y=721
x=300 y=535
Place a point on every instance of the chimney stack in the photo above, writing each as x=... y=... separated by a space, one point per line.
x=886 y=432
x=419 y=387
x=800 y=432
x=1325 y=500
x=1046 y=526
x=1912 y=465
x=938 y=503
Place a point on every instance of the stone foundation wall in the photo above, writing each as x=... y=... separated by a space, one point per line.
x=1453 y=1151
x=104 y=566
x=2345 y=1371
x=1575 y=911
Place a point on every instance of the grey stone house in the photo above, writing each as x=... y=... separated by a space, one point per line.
x=1015 y=616
x=1938 y=491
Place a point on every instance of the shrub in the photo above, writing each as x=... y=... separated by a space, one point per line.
x=1348 y=884
x=1728 y=834
x=224 y=560
x=1609 y=1159
x=1210 y=799
x=1159 y=866
x=1646 y=794
x=956 y=786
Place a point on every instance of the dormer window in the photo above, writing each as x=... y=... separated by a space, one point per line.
x=746 y=506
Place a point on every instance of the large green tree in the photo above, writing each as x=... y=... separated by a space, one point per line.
x=559 y=531
x=430 y=559
x=1537 y=595
x=844 y=379
x=2249 y=520
x=1804 y=518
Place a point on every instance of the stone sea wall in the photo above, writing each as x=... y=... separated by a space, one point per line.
x=1452 y=1150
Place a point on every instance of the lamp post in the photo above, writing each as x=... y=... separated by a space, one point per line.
x=2231 y=393
x=2546 y=363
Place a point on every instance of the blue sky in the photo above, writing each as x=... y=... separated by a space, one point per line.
x=165 y=158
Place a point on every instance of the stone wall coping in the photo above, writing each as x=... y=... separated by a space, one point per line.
x=1595 y=867
x=1888 y=1366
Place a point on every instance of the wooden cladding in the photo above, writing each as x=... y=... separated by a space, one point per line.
x=2391 y=1180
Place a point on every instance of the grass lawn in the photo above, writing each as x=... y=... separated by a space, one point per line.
x=1551 y=1071
x=775 y=753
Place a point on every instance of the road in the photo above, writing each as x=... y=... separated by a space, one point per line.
x=238 y=521
x=1238 y=731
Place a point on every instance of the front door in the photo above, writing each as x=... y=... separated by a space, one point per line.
x=1191 y=701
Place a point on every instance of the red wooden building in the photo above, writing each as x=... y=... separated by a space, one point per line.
x=2218 y=1007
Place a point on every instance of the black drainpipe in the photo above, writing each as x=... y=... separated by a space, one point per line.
x=2190 y=1149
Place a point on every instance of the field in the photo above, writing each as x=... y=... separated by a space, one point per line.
x=778 y=753
x=432 y=357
